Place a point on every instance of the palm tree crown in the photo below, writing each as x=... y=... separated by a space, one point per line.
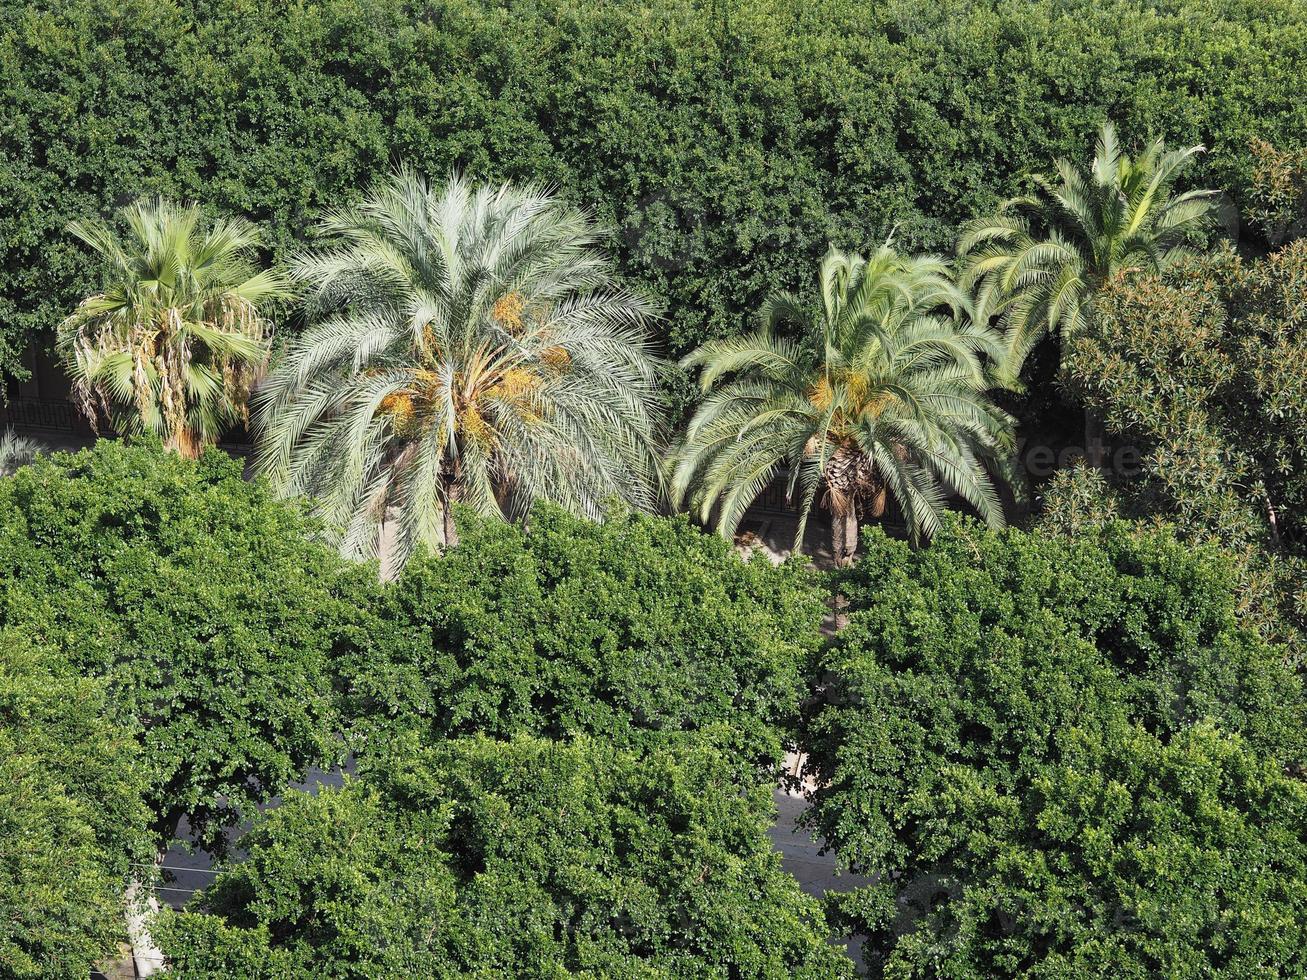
x=474 y=346
x=882 y=394
x=173 y=344
x=1041 y=258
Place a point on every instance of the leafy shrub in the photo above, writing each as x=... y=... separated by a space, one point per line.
x=202 y=603
x=71 y=816
x=634 y=630
x=524 y=858
x=1277 y=197
x=1201 y=369
x=726 y=143
x=1063 y=757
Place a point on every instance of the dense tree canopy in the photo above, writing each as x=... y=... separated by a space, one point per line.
x=201 y=601
x=1200 y=372
x=1064 y=757
x=636 y=630
x=1077 y=751
x=527 y=858
x=728 y=143
x=71 y=816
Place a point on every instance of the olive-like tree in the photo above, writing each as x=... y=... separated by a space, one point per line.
x=178 y=336
x=883 y=392
x=1039 y=261
x=472 y=345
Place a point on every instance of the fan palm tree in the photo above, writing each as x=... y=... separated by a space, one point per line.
x=174 y=343
x=882 y=394
x=472 y=346
x=1041 y=259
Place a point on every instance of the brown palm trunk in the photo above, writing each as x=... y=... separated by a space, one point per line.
x=184 y=444
x=449 y=532
x=878 y=499
x=844 y=533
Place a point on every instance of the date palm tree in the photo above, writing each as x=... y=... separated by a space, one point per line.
x=881 y=394
x=174 y=342
x=472 y=345
x=16 y=451
x=1039 y=261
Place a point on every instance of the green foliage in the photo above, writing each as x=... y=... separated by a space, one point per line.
x=71 y=816
x=1041 y=259
x=1277 y=198
x=173 y=342
x=202 y=603
x=1065 y=757
x=529 y=859
x=883 y=393
x=1201 y=369
x=16 y=451
x=727 y=143
x=637 y=630
x=471 y=344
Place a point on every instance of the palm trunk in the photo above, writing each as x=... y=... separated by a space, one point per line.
x=844 y=534
x=449 y=532
x=184 y=444
x=878 y=500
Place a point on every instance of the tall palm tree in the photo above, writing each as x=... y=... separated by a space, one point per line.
x=473 y=346
x=175 y=341
x=1039 y=261
x=882 y=394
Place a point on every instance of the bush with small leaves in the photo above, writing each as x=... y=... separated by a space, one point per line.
x=72 y=819
x=1062 y=757
x=635 y=630
x=203 y=603
x=1201 y=368
x=525 y=858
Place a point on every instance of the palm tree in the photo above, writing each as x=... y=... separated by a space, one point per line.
x=881 y=395
x=472 y=346
x=173 y=344
x=1041 y=259
x=16 y=451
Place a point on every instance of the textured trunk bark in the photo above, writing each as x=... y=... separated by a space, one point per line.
x=1274 y=521
x=448 y=530
x=844 y=534
x=142 y=906
x=184 y=444
x=147 y=958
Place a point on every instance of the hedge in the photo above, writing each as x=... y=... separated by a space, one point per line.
x=1061 y=757
x=527 y=858
x=203 y=604
x=637 y=630
x=71 y=816
x=725 y=142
